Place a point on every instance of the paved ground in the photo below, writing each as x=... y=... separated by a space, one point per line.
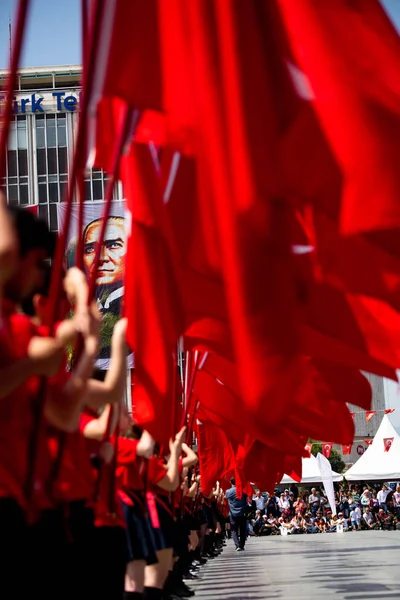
x=351 y=566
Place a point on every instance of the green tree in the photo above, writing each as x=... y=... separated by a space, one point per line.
x=335 y=458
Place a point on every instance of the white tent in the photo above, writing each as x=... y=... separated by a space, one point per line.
x=375 y=463
x=311 y=473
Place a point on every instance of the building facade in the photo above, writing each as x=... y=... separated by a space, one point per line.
x=41 y=142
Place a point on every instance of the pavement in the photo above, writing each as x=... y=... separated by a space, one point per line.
x=360 y=565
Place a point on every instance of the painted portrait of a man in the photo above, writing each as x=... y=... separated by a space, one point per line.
x=110 y=272
x=109 y=291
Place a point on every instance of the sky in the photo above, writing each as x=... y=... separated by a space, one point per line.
x=53 y=33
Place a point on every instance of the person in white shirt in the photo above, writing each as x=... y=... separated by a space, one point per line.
x=284 y=504
x=341 y=520
x=313 y=501
x=365 y=499
x=260 y=501
x=382 y=496
x=369 y=518
x=396 y=500
x=355 y=517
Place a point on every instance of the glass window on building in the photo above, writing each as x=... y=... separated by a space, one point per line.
x=16 y=183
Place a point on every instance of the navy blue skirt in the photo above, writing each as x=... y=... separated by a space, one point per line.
x=139 y=536
x=164 y=536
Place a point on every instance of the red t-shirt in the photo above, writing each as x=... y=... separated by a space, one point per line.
x=16 y=418
x=155 y=472
x=128 y=467
x=103 y=515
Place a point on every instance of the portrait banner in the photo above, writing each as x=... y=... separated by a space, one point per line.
x=109 y=292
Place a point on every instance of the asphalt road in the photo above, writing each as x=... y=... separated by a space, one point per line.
x=360 y=565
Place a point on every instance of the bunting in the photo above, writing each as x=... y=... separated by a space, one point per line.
x=387 y=443
x=308 y=448
x=346 y=449
x=326 y=450
x=369 y=414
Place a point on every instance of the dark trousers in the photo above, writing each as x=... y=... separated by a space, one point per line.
x=238 y=528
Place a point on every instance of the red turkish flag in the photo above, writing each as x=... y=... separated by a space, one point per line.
x=357 y=102
x=389 y=410
x=326 y=450
x=216 y=456
x=369 y=414
x=308 y=448
x=353 y=414
x=368 y=442
x=387 y=443
x=152 y=303
x=346 y=449
x=129 y=63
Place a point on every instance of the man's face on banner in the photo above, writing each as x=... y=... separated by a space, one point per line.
x=112 y=253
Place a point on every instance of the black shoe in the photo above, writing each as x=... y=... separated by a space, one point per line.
x=202 y=560
x=183 y=591
x=190 y=576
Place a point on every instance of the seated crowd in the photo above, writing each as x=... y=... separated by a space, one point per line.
x=299 y=511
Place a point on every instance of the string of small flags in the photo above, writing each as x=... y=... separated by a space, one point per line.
x=346 y=448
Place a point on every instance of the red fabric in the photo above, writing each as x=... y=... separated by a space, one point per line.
x=216 y=387
x=262 y=464
x=326 y=450
x=292 y=466
x=128 y=473
x=103 y=517
x=356 y=100
x=369 y=414
x=215 y=455
x=75 y=480
x=132 y=60
x=352 y=329
x=346 y=449
x=237 y=168
x=387 y=443
x=151 y=299
x=15 y=409
x=389 y=410
x=155 y=472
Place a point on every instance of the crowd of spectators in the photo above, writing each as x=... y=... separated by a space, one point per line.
x=304 y=511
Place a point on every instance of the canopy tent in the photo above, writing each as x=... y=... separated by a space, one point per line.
x=381 y=460
x=311 y=473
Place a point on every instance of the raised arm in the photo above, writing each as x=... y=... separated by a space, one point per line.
x=112 y=388
x=190 y=457
x=170 y=481
x=65 y=400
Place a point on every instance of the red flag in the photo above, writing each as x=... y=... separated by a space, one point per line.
x=130 y=51
x=389 y=410
x=326 y=450
x=387 y=443
x=368 y=442
x=353 y=414
x=346 y=449
x=215 y=455
x=237 y=132
x=369 y=414
x=357 y=101
x=152 y=303
x=308 y=448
